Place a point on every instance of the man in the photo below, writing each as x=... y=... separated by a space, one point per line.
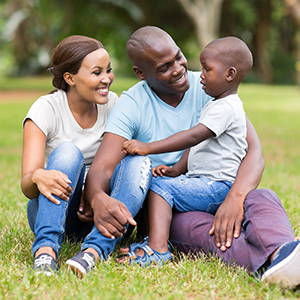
x=170 y=99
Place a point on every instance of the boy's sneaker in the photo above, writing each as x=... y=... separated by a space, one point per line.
x=46 y=264
x=81 y=263
x=285 y=267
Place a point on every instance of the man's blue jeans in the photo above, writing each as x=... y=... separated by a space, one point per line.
x=51 y=222
x=129 y=184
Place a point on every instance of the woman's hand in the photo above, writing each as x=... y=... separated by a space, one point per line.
x=85 y=212
x=52 y=182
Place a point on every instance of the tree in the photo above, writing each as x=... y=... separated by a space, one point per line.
x=206 y=16
x=264 y=10
x=293 y=7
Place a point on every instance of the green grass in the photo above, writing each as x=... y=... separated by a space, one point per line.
x=274 y=111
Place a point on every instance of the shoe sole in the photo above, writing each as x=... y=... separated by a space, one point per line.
x=77 y=268
x=287 y=271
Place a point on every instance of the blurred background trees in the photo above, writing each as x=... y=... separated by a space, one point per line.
x=30 y=29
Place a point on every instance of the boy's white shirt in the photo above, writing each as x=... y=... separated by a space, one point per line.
x=219 y=157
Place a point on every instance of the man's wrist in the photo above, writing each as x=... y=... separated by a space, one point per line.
x=236 y=196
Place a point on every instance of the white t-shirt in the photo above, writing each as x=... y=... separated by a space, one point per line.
x=52 y=114
x=219 y=157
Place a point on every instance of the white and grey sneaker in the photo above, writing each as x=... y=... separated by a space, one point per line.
x=81 y=263
x=285 y=267
x=45 y=264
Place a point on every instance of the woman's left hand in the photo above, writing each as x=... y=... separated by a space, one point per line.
x=85 y=212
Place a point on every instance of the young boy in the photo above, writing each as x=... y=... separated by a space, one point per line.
x=218 y=144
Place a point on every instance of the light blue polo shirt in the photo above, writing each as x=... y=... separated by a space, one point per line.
x=140 y=114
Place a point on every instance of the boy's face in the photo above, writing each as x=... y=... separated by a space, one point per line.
x=213 y=75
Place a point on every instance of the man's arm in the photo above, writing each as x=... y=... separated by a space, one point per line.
x=110 y=215
x=229 y=216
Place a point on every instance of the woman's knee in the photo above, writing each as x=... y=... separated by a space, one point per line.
x=65 y=154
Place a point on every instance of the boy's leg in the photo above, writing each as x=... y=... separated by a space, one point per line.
x=184 y=194
x=260 y=234
x=160 y=217
x=49 y=222
x=129 y=184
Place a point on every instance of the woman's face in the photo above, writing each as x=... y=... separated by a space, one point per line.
x=93 y=80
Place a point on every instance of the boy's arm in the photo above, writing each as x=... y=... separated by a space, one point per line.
x=178 y=141
x=228 y=219
x=179 y=168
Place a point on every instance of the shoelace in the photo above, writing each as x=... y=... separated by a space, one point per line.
x=43 y=260
x=89 y=260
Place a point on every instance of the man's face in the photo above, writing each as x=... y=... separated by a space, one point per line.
x=165 y=68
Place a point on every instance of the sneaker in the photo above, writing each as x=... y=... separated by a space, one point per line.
x=46 y=264
x=285 y=267
x=81 y=263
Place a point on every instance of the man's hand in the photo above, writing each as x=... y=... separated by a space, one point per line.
x=111 y=217
x=227 y=222
x=133 y=147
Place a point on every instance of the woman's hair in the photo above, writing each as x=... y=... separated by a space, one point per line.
x=68 y=57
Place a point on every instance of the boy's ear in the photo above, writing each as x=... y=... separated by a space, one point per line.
x=69 y=79
x=139 y=73
x=231 y=73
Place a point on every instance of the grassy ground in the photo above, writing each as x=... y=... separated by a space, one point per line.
x=273 y=110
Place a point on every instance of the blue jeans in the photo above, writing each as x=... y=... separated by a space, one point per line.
x=129 y=184
x=51 y=222
x=191 y=193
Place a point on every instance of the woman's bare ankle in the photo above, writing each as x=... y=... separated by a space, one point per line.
x=93 y=251
x=47 y=250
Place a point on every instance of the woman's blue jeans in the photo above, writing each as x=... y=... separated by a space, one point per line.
x=129 y=184
x=51 y=222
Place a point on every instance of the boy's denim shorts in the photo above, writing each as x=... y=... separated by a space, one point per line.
x=191 y=193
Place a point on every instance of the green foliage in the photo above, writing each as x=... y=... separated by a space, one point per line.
x=44 y=23
x=273 y=110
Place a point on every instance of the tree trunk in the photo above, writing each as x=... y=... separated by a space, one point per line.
x=262 y=60
x=206 y=16
x=293 y=7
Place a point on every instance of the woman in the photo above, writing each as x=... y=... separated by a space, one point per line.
x=62 y=132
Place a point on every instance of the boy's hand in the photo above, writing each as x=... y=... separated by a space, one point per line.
x=163 y=170
x=133 y=147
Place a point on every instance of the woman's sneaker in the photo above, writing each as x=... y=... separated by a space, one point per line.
x=81 y=263
x=285 y=267
x=46 y=264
